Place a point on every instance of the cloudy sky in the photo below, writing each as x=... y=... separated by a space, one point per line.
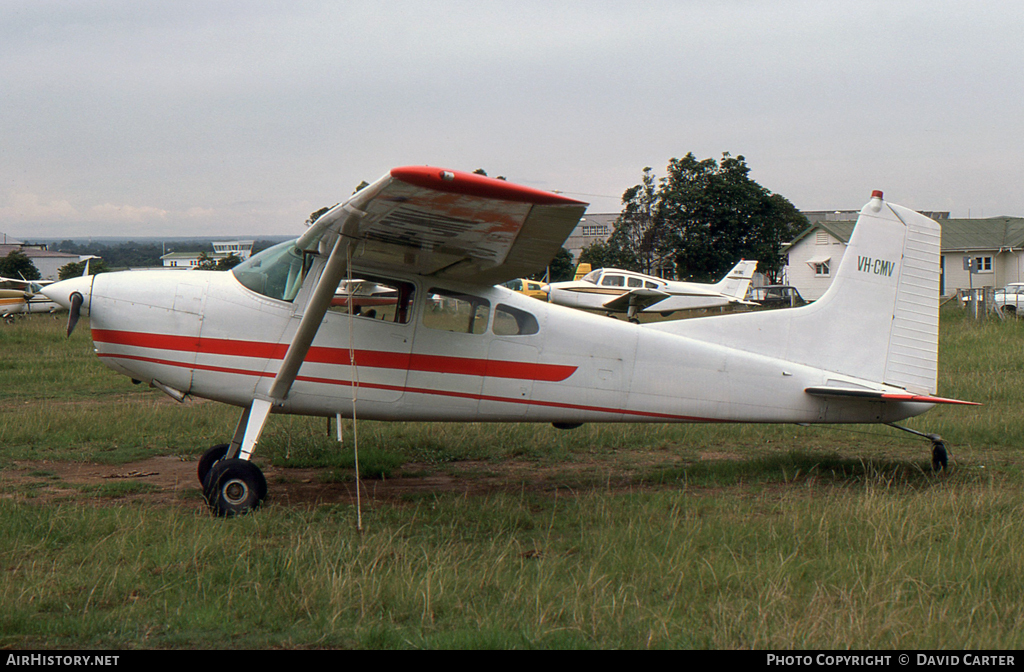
x=240 y=118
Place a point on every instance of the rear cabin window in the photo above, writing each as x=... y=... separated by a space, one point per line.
x=456 y=312
x=509 y=321
x=375 y=299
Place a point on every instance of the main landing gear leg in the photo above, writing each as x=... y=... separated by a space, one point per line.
x=232 y=485
x=940 y=457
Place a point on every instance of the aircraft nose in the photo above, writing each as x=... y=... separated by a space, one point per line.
x=62 y=292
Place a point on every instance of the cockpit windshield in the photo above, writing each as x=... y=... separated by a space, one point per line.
x=276 y=272
x=591 y=277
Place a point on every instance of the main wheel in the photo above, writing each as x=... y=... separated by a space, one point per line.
x=235 y=487
x=211 y=456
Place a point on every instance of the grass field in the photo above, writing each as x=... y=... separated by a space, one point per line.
x=609 y=536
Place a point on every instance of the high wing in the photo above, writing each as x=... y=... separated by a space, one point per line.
x=423 y=220
x=451 y=224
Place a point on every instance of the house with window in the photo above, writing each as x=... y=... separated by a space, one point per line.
x=975 y=253
x=592 y=228
x=982 y=252
x=814 y=256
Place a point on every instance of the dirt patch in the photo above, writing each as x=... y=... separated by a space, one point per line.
x=172 y=481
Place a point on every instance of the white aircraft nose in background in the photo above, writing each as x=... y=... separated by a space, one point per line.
x=75 y=294
x=61 y=292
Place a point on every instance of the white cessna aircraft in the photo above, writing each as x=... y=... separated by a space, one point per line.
x=616 y=291
x=453 y=347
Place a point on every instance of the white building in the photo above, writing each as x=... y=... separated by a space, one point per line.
x=46 y=261
x=592 y=228
x=221 y=249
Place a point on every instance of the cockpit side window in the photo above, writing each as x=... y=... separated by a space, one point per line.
x=276 y=272
x=613 y=281
x=509 y=321
x=375 y=299
x=454 y=311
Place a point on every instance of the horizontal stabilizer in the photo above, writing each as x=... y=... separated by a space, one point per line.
x=883 y=396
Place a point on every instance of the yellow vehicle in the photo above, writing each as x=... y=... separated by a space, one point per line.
x=533 y=288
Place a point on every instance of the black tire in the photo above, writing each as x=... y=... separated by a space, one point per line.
x=940 y=459
x=235 y=487
x=209 y=458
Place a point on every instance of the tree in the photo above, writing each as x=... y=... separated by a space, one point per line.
x=698 y=221
x=559 y=269
x=313 y=216
x=639 y=235
x=205 y=262
x=75 y=268
x=17 y=265
x=716 y=215
x=228 y=262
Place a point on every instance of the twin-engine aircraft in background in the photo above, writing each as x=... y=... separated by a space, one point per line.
x=452 y=346
x=611 y=290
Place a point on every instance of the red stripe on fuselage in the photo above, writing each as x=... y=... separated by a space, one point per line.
x=419 y=390
x=552 y=373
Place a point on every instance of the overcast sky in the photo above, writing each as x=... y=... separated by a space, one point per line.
x=240 y=118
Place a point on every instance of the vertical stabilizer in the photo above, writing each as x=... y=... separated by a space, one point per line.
x=736 y=281
x=878 y=321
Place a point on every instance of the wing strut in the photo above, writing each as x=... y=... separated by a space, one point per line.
x=250 y=425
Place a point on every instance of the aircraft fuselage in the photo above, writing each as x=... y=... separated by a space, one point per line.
x=207 y=335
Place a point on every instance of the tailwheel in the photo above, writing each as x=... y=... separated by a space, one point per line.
x=940 y=459
x=940 y=456
x=209 y=458
x=234 y=487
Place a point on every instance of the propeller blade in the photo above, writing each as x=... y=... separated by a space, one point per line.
x=75 y=311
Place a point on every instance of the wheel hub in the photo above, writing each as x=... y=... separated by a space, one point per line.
x=235 y=491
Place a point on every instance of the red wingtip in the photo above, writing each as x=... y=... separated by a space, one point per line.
x=473 y=184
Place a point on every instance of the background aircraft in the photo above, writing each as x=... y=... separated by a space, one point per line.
x=456 y=347
x=612 y=290
x=23 y=296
